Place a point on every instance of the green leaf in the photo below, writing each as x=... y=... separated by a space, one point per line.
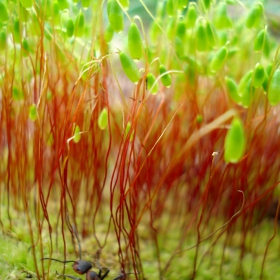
x=130 y=68
x=4 y=16
x=259 y=41
x=33 y=112
x=258 y=75
x=48 y=31
x=25 y=47
x=125 y=4
x=80 y=25
x=232 y=90
x=179 y=47
x=152 y=84
x=273 y=94
x=135 y=43
x=17 y=94
x=181 y=30
x=170 y=28
x=56 y=13
x=221 y=19
x=103 y=119
x=207 y=4
x=154 y=33
x=127 y=130
x=245 y=90
x=234 y=142
x=211 y=33
x=255 y=15
x=182 y=4
x=16 y=32
x=115 y=15
x=191 y=15
x=201 y=36
x=77 y=134
x=3 y=40
x=70 y=27
x=63 y=4
x=108 y=34
x=170 y=8
x=165 y=79
x=219 y=59
x=199 y=118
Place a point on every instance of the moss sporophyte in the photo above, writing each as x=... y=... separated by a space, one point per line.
x=140 y=137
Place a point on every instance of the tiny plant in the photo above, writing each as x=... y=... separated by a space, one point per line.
x=140 y=123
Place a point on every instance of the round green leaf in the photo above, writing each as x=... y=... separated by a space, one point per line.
x=33 y=112
x=234 y=142
x=108 y=34
x=115 y=15
x=182 y=4
x=80 y=25
x=245 y=89
x=201 y=36
x=191 y=15
x=125 y=4
x=258 y=75
x=152 y=85
x=259 y=41
x=77 y=134
x=135 y=43
x=70 y=27
x=219 y=59
x=221 y=18
x=232 y=90
x=130 y=68
x=63 y=4
x=103 y=119
x=166 y=78
x=170 y=8
x=255 y=15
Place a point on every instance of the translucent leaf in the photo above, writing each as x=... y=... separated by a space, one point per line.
x=152 y=84
x=70 y=27
x=191 y=15
x=135 y=43
x=109 y=33
x=33 y=112
x=234 y=142
x=232 y=89
x=201 y=36
x=115 y=15
x=274 y=89
x=218 y=59
x=258 y=75
x=125 y=4
x=77 y=134
x=165 y=79
x=103 y=119
x=80 y=25
x=130 y=68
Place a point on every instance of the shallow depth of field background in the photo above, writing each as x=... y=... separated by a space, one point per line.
x=139 y=175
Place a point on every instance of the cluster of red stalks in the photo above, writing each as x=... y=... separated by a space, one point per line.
x=166 y=174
